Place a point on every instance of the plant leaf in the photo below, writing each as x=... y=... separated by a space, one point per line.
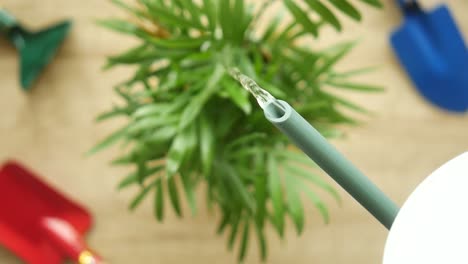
x=272 y=27
x=276 y=193
x=325 y=13
x=350 y=73
x=135 y=55
x=346 y=8
x=342 y=50
x=244 y=241
x=224 y=222
x=249 y=138
x=117 y=111
x=238 y=12
x=157 y=108
x=167 y=17
x=132 y=178
x=179 y=149
x=194 y=10
x=260 y=196
x=152 y=122
x=159 y=200
x=109 y=140
x=241 y=190
x=239 y=96
x=224 y=18
x=174 y=195
x=234 y=227
x=178 y=43
x=355 y=86
x=195 y=106
x=307 y=175
x=189 y=192
x=294 y=203
x=161 y=135
x=261 y=242
x=140 y=196
x=296 y=157
x=210 y=9
x=375 y=3
x=121 y=26
x=302 y=18
x=141 y=166
x=346 y=103
x=207 y=144
x=317 y=202
x=128 y=8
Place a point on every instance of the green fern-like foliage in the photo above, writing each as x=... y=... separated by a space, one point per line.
x=189 y=124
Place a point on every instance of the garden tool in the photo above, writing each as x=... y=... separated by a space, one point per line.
x=38 y=223
x=434 y=55
x=36 y=49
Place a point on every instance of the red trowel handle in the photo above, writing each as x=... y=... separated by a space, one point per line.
x=69 y=241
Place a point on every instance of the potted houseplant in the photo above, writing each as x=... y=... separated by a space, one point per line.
x=190 y=125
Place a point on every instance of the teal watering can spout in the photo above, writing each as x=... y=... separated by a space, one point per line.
x=36 y=49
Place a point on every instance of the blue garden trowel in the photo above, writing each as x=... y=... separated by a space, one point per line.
x=433 y=53
x=36 y=49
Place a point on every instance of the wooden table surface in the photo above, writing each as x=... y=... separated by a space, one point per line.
x=51 y=127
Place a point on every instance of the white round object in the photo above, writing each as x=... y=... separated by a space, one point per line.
x=432 y=225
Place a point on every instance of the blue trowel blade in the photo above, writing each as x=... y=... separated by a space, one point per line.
x=433 y=53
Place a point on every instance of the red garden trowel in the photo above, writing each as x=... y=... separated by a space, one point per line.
x=36 y=48
x=38 y=223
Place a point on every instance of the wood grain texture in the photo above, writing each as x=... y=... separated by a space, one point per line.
x=51 y=127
